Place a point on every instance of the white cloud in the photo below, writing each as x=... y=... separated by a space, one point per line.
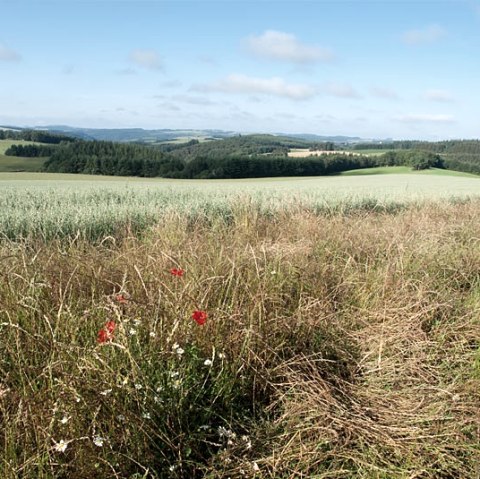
x=381 y=92
x=8 y=55
x=286 y=47
x=149 y=59
x=276 y=86
x=193 y=100
x=341 y=90
x=427 y=35
x=442 y=96
x=425 y=118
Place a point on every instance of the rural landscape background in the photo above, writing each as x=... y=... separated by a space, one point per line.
x=239 y=239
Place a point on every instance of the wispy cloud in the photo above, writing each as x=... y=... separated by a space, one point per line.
x=425 y=118
x=341 y=90
x=244 y=84
x=442 y=96
x=193 y=100
x=429 y=34
x=283 y=46
x=381 y=92
x=148 y=59
x=8 y=55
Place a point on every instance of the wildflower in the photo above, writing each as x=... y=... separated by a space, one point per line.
x=98 y=441
x=106 y=333
x=177 y=272
x=64 y=419
x=200 y=317
x=121 y=299
x=138 y=386
x=60 y=446
x=103 y=336
x=208 y=362
x=121 y=418
x=174 y=374
x=146 y=415
x=132 y=332
x=106 y=392
x=152 y=334
x=110 y=326
x=177 y=349
x=137 y=322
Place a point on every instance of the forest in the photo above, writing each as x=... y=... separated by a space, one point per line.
x=242 y=156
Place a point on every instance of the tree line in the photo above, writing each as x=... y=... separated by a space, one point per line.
x=239 y=157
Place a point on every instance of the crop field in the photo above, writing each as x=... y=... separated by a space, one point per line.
x=274 y=328
x=56 y=205
x=13 y=163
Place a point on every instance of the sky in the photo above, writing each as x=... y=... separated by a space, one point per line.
x=374 y=69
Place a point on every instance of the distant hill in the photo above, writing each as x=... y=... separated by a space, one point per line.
x=166 y=134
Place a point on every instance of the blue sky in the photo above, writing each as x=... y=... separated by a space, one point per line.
x=376 y=69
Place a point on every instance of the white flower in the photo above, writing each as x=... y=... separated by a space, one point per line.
x=106 y=392
x=177 y=349
x=132 y=332
x=208 y=362
x=60 y=446
x=121 y=418
x=98 y=441
x=146 y=415
x=152 y=334
x=221 y=355
x=137 y=322
x=65 y=419
x=174 y=374
x=138 y=386
x=224 y=432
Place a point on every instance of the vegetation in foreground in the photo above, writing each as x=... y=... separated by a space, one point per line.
x=284 y=346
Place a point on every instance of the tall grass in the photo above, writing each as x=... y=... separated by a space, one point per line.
x=336 y=346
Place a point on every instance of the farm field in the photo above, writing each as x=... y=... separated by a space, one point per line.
x=270 y=328
x=52 y=205
x=15 y=164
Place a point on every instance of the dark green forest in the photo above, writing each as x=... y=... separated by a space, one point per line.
x=249 y=156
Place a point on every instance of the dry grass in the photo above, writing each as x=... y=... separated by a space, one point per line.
x=341 y=347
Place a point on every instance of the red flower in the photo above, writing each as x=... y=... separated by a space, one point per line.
x=121 y=298
x=110 y=326
x=200 y=317
x=106 y=333
x=177 y=271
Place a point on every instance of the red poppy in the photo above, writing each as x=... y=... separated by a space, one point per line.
x=110 y=326
x=177 y=271
x=106 y=333
x=200 y=317
x=121 y=298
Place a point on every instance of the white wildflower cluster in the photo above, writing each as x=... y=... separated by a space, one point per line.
x=60 y=446
x=208 y=362
x=98 y=441
x=177 y=349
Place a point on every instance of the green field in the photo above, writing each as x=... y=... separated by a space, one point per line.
x=60 y=205
x=15 y=163
x=389 y=170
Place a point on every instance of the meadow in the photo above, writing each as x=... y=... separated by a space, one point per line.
x=14 y=164
x=273 y=328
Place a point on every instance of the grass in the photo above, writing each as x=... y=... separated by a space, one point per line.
x=336 y=346
x=15 y=163
x=395 y=170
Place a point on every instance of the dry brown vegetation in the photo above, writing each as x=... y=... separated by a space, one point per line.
x=341 y=346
